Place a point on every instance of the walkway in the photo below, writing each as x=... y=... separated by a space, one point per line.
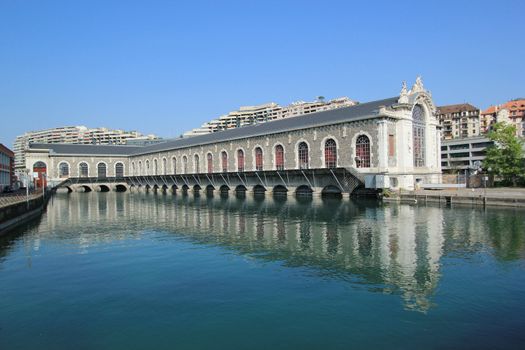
x=504 y=196
x=500 y=192
x=13 y=198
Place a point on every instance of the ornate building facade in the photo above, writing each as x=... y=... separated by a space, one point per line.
x=389 y=143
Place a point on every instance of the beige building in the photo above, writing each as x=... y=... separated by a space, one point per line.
x=459 y=121
x=389 y=143
x=248 y=115
x=512 y=112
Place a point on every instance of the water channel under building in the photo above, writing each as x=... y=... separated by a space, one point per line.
x=141 y=270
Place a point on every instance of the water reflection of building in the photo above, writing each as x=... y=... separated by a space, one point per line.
x=394 y=249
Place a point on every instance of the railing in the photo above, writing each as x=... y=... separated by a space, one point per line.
x=317 y=171
x=90 y=180
x=346 y=178
x=359 y=176
x=19 y=197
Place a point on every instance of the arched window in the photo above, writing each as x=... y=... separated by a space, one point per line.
x=240 y=160
x=119 y=170
x=258 y=159
x=101 y=170
x=83 y=170
x=140 y=167
x=184 y=165
x=279 y=157
x=196 y=164
x=155 y=167
x=418 y=131
x=41 y=169
x=210 y=163
x=164 y=166
x=330 y=153
x=174 y=165
x=39 y=166
x=147 y=167
x=224 y=161
x=63 y=169
x=362 y=151
x=133 y=170
x=302 y=151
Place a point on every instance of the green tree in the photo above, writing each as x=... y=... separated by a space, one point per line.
x=505 y=158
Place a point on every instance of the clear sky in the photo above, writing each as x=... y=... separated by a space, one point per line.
x=165 y=67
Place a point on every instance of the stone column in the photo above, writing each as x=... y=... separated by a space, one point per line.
x=404 y=145
x=382 y=145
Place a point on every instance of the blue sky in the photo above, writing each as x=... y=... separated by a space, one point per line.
x=165 y=67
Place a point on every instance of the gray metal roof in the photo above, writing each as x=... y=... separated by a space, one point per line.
x=108 y=150
x=340 y=115
x=335 y=116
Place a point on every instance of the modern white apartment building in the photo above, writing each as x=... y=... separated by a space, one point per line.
x=73 y=135
x=248 y=115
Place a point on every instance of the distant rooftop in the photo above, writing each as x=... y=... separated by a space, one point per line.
x=461 y=107
x=68 y=148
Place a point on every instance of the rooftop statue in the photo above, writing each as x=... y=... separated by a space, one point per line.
x=418 y=85
x=403 y=95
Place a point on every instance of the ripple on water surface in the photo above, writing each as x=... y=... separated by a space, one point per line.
x=122 y=270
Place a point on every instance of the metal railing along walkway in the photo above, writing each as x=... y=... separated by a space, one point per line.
x=14 y=198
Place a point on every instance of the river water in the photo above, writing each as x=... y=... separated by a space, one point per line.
x=144 y=271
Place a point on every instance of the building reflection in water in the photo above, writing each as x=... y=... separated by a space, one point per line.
x=391 y=249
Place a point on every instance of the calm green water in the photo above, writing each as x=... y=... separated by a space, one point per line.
x=138 y=271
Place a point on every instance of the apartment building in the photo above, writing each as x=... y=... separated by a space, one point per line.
x=249 y=115
x=459 y=121
x=73 y=135
x=511 y=112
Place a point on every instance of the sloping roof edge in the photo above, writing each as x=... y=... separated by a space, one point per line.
x=335 y=116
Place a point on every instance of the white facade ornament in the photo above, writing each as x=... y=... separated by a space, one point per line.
x=418 y=85
x=403 y=96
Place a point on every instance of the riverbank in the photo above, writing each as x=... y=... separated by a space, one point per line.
x=17 y=210
x=484 y=197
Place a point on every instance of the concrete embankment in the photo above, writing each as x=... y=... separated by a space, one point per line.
x=491 y=197
x=21 y=211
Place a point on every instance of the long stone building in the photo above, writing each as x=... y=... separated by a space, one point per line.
x=389 y=143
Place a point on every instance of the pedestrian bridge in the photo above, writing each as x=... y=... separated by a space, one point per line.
x=316 y=182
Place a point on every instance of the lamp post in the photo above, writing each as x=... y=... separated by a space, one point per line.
x=43 y=185
x=485 y=178
x=27 y=187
